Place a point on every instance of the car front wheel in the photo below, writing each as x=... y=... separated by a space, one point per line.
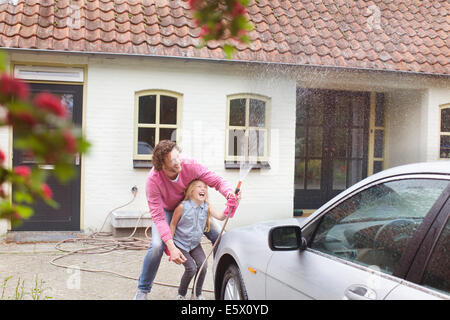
x=232 y=285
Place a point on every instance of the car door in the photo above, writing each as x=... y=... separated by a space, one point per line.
x=355 y=247
x=429 y=274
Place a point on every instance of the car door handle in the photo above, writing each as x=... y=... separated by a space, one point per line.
x=360 y=292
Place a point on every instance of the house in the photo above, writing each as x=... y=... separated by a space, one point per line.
x=327 y=93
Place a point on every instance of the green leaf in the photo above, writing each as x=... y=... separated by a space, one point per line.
x=16 y=223
x=5 y=205
x=64 y=172
x=83 y=145
x=245 y=39
x=201 y=45
x=228 y=50
x=38 y=176
x=25 y=197
x=24 y=211
x=5 y=209
x=52 y=203
x=2 y=61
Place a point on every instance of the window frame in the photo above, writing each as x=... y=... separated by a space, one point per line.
x=146 y=158
x=262 y=161
x=373 y=128
x=441 y=133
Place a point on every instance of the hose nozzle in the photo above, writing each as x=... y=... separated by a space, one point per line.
x=236 y=191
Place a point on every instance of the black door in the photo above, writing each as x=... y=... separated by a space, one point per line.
x=331 y=144
x=67 y=216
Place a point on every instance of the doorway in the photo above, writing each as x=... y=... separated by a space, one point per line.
x=67 y=216
x=331 y=148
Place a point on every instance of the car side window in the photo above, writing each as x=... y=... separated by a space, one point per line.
x=437 y=272
x=372 y=228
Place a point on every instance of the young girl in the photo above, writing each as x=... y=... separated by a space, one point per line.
x=190 y=219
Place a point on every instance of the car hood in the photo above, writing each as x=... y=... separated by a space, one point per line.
x=256 y=231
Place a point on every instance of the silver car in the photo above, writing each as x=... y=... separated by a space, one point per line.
x=386 y=237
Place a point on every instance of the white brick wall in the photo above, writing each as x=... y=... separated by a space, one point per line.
x=109 y=116
x=413 y=125
x=108 y=173
x=404 y=119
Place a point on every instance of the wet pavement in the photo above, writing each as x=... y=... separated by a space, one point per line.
x=26 y=272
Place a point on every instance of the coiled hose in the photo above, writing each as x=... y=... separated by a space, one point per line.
x=99 y=243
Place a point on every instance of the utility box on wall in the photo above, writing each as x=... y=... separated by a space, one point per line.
x=124 y=222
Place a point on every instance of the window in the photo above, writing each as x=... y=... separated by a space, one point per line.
x=157 y=115
x=437 y=272
x=444 y=150
x=49 y=73
x=377 y=133
x=330 y=141
x=247 y=132
x=374 y=226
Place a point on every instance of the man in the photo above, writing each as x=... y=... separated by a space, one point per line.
x=165 y=187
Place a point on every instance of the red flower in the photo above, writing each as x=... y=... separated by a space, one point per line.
x=20 y=118
x=2 y=157
x=3 y=193
x=194 y=4
x=48 y=194
x=26 y=117
x=50 y=158
x=16 y=215
x=218 y=27
x=71 y=142
x=238 y=9
x=23 y=171
x=49 y=102
x=204 y=31
x=11 y=87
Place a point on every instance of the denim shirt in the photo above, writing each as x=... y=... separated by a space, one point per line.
x=191 y=225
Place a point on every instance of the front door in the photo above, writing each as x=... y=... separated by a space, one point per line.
x=331 y=145
x=67 y=216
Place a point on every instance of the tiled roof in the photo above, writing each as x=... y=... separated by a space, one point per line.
x=393 y=35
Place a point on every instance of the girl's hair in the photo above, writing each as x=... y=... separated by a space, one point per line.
x=188 y=195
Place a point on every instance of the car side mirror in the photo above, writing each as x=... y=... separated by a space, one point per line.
x=286 y=238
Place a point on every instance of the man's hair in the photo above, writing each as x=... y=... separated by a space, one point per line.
x=162 y=149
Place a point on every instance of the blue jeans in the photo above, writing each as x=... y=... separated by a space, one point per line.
x=155 y=252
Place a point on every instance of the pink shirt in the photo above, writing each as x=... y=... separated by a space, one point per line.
x=162 y=193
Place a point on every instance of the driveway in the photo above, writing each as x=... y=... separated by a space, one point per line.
x=28 y=268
